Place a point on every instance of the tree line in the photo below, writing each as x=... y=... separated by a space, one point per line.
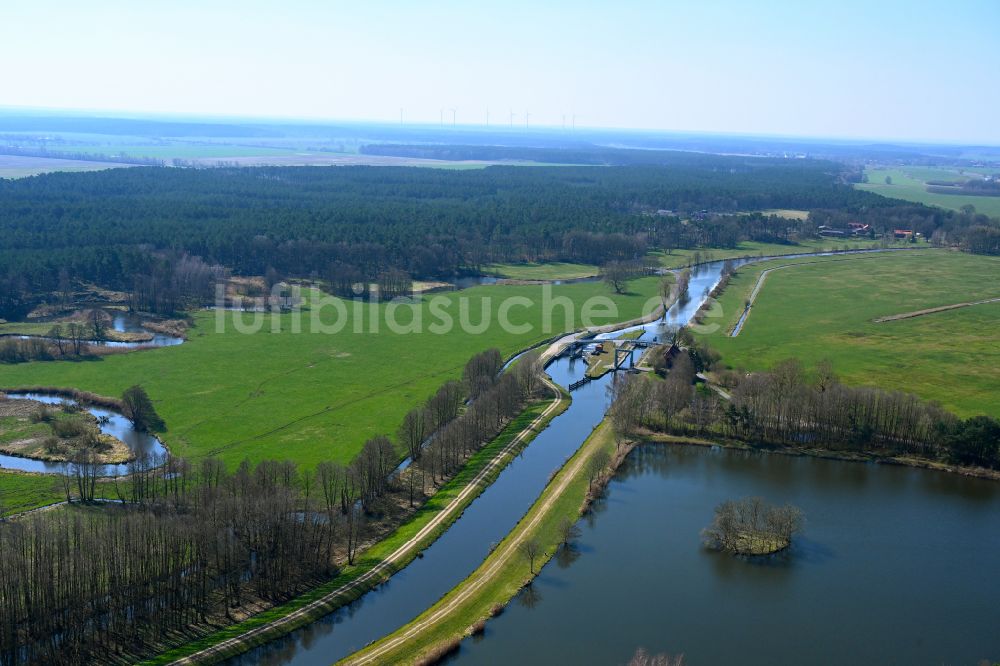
x=189 y=542
x=788 y=407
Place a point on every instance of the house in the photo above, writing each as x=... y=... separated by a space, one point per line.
x=902 y=233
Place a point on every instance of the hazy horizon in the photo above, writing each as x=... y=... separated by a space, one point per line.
x=855 y=71
x=190 y=116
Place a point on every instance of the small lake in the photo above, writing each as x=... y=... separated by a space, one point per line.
x=896 y=566
x=116 y=425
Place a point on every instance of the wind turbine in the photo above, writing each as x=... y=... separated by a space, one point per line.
x=453 y=111
x=512 y=114
x=487 y=116
x=527 y=116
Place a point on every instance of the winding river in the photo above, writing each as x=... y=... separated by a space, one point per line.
x=122 y=323
x=109 y=422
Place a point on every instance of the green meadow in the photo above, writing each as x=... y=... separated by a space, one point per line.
x=910 y=184
x=311 y=396
x=682 y=257
x=21 y=492
x=548 y=271
x=677 y=258
x=824 y=309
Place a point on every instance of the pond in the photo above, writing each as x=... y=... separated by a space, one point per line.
x=896 y=565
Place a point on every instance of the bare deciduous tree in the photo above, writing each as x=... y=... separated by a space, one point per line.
x=531 y=550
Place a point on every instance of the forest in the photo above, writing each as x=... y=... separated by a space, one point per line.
x=147 y=229
x=166 y=234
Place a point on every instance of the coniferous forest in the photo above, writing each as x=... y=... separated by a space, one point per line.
x=137 y=229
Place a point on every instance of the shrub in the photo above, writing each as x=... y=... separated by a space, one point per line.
x=69 y=428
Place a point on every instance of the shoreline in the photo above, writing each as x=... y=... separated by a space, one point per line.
x=650 y=437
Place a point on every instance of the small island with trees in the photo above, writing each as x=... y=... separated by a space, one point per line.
x=750 y=526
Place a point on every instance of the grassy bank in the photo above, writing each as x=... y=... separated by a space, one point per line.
x=22 y=491
x=463 y=610
x=312 y=396
x=717 y=439
x=826 y=310
x=380 y=561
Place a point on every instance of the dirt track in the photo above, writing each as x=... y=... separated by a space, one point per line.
x=500 y=558
x=942 y=308
x=388 y=565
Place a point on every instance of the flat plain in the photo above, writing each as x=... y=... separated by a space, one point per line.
x=825 y=309
x=313 y=396
x=910 y=184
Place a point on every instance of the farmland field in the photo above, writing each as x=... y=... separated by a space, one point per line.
x=678 y=258
x=312 y=396
x=824 y=309
x=910 y=183
x=682 y=257
x=17 y=166
x=144 y=148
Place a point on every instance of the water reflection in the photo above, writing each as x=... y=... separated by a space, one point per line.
x=889 y=553
x=109 y=422
x=567 y=555
x=529 y=597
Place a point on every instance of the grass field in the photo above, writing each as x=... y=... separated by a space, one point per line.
x=21 y=492
x=550 y=271
x=25 y=328
x=824 y=309
x=311 y=396
x=683 y=257
x=680 y=257
x=909 y=183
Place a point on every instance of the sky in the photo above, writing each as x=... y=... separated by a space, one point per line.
x=915 y=70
